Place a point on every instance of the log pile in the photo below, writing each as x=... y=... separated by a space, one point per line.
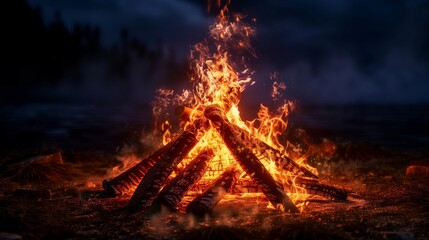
x=155 y=189
x=175 y=190
x=205 y=203
x=248 y=161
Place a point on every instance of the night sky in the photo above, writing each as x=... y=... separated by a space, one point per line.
x=326 y=51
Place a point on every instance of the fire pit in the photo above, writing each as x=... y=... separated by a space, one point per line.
x=218 y=153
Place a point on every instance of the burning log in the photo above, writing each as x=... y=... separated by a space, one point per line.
x=327 y=191
x=259 y=147
x=157 y=175
x=282 y=161
x=129 y=179
x=171 y=195
x=248 y=161
x=205 y=203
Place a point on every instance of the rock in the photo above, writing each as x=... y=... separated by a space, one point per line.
x=33 y=194
x=418 y=169
x=9 y=236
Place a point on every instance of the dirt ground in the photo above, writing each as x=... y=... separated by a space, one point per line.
x=66 y=202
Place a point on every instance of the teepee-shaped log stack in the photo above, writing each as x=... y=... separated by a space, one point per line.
x=154 y=188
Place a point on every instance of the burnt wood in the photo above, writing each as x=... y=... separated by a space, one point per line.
x=248 y=161
x=282 y=161
x=324 y=190
x=171 y=195
x=157 y=175
x=126 y=181
x=205 y=203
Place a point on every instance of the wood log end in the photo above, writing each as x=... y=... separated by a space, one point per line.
x=213 y=112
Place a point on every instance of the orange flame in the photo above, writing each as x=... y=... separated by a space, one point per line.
x=219 y=77
x=166 y=137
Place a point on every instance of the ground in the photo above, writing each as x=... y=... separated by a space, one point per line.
x=66 y=202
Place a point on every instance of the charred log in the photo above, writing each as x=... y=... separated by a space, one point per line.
x=205 y=203
x=284 y=162
x=324 y=190
x=248 y=161
x=157 y=175
x=261 y=148
x=129 y=179
x=171 y=195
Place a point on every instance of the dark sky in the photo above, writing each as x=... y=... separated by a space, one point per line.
x=326 y=51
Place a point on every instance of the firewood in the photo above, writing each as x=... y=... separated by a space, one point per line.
x=171 y=195
x=157 y=175
x=205 y=203
x=315 y=188
x=126 y=181
x=282 y=161
x=248 y=161
x=183 y=111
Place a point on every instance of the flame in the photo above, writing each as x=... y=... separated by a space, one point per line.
x=127 y=160
x=215 y=80
x=219 y=77
x=166 y=137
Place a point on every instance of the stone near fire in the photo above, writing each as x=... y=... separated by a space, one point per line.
x=418 y=169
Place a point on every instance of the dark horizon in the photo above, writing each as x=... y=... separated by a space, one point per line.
x=335 y=53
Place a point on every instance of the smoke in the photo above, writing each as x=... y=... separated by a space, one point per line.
x=333 y=52
x=339 y=80
x=128 y=78
x=327 y=52
x=163 y=21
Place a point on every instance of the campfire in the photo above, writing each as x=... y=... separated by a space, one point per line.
x=217 y=153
